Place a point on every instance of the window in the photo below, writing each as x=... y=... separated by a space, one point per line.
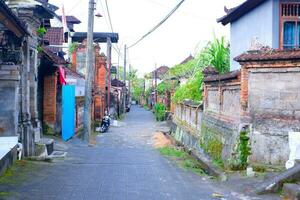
x=290 y=25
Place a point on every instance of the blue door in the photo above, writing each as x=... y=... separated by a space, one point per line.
x=68 y=111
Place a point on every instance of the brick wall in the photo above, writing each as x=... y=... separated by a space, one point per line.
x=49 y=104
x=100 y=87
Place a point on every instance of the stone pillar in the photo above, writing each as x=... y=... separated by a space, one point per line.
x=29 y=125
x=33 y=84
x=27 y=134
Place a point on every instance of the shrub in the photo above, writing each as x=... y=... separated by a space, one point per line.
x=159 y=111
x=41 y=31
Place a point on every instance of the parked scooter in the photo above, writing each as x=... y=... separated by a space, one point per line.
x=105 y=123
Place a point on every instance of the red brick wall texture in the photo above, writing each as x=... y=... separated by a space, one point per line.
x=49 y=104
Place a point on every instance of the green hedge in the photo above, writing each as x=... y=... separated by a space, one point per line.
x=159 y=111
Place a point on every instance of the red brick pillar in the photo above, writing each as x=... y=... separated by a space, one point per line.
x=244 y=88
x=74 y=60
x=49 y=104
x=100 y=86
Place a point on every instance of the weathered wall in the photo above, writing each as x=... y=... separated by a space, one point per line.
x=187 y=119
x=274 y=107
x=223 y=99
x=50 y=91
x=221 y=116
x=270 y=102
x=9 y=99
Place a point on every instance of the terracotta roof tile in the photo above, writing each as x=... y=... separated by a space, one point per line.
x=187 y=59
x=55 y=37
x=269 y=55
x=53 y=57
x=71 y=72
x=222 y=77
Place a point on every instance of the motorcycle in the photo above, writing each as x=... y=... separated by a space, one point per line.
x=105 y=123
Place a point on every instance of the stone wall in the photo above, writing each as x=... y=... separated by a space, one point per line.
x=271 y=102
x=263 y=100
x=221 y=116
x=187 y=119
x=9 y=99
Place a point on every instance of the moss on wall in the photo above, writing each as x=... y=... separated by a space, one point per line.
x=242 y=150
x=211 y=142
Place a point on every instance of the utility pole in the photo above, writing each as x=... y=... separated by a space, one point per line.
x=89 y=72
x=155 y=82
x=108 y=72
x=129 y=84
x=124 y=77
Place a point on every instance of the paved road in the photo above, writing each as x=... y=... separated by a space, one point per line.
x=123 y=165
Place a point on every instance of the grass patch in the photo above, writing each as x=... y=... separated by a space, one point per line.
x=218 y=163
x=193 y=165
x=172 y=152
x=5 y=194
x=19 y=172
x=183 y=159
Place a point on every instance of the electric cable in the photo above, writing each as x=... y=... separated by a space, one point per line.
x=158 y=25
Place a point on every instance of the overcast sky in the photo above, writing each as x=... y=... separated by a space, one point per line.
x=187 y=30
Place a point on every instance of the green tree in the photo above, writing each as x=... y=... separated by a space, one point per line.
x=215 y=54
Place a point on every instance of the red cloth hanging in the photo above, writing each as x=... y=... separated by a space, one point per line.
x=62 y=77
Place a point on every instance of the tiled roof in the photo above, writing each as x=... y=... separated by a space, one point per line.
x=99 y=37
x=55 y=37
x=48 y=5
x=53 y=57
x=187 y=59
x=237 y=12
x=162 y=70
x=117 y=83
x=71 y=19
x=71 y=72
x=222 y=77
x=268 y=55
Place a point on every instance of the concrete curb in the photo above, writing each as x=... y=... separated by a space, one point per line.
x=8 y=160
x=274 y=183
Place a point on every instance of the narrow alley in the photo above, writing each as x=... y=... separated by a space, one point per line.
x=123 y=165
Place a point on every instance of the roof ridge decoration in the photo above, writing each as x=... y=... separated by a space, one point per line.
x=235 y=13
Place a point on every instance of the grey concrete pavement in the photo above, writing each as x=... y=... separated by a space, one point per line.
x=123 y=165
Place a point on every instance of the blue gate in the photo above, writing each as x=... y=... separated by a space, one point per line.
x=68 y=111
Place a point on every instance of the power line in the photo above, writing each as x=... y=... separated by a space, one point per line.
x=102 y=8
x=75 y=5
x=108 y=14
x=158 y=25
x=116 y=48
